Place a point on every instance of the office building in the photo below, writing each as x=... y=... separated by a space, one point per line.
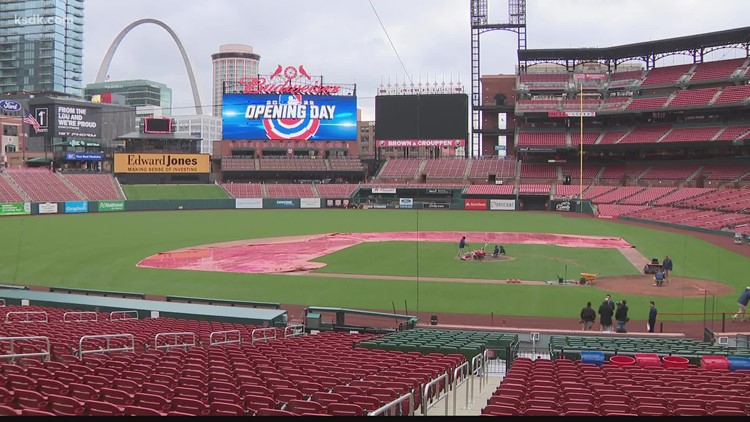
x=137 y=93
x=231 y=64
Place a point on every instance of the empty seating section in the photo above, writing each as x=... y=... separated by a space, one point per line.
x=618 y=171
x=611 y=136
x=681 y=195
x=734 y=132
x=335 y=190
x=482 y=168
x=713 y=220
x=284 y=190
x=645 y=134
x=670 y=172
x=733 y=94
x=400 y=168
x=647 y=103
x=617 y=194
x=42 y=185
x=616 y=103
x=545 y=80
x=692 y=134
x=346 y=164
x=238 y=163
x=7 y=193
x=445 y=168
x=490 y=190
x=575 y=105
x=543 y=104
x=569 y=191
x=534 y=188
x=589 y=138
x=595 y=191
x=292 y=164
x=647 y=196
x=665 y=75
x=693 y=97
x=538 y=171
x=615 y=210
x=574 y=171
x=95 y=187
x=624 y=79
x=244 y=190
x=526 y=138
x=720 y=69
x=725 y=171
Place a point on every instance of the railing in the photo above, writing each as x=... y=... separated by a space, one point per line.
x=26 y=315
x=461 y=375
x=108 y=338
x=13 y=355
x=176 y=336
x=394 y=406
x=478 y=369
x=226 y=339
x=80 y=315
x=436 y=397
x=124 y=315
x=105 y=293
x=294 y=330
x=263 y=336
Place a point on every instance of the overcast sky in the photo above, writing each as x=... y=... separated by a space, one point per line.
x=343 y=41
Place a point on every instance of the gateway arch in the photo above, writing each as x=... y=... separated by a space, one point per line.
x=104 y=68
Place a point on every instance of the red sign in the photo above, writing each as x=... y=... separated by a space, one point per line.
x=571 y=114
x=422 y=143
x=289 y=80
x=475 y=204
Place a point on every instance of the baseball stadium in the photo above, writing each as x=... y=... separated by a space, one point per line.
x=313 y=264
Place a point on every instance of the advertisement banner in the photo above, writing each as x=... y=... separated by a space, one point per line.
x=436 y=205
x=565 y=206
x=84 y=156
x=422 y=143
x=76 y=207
x=78 y=122
x=383 y=190
x=15 y=208
x=406 y=203
x=571 y=114
x=502 y=204
x=289 y=117
x=48 y=208
x=248 y=203
x=162 y=163
x=111 y=206
x=309 y=203
x=438 y=191
x=475 y=204
x=286 y=203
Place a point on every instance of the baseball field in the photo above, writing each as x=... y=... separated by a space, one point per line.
x=101 y=251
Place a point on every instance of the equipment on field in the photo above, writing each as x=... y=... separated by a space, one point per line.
x=652 y=267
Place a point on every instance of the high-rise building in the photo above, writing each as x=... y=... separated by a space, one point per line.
x=232 y=63
x=41 y=46
x=137 y=93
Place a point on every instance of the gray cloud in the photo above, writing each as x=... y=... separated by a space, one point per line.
x=343 y=40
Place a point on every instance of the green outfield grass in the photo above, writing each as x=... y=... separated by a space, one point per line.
x=530 y=262
x=100 y=251
x=174 y=192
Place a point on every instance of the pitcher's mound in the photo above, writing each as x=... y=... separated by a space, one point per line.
x=675 y=287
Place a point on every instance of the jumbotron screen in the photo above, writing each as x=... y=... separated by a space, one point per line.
x=429 y=116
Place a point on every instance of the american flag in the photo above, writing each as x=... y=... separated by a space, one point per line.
x=30 y=120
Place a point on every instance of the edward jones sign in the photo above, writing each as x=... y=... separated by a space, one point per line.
x=162 y=163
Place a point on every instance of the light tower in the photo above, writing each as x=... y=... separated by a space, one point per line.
x=479 y=25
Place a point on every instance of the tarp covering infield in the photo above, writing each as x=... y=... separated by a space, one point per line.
x=293 y=253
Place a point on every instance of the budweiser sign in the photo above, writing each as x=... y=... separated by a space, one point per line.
x=289 y=80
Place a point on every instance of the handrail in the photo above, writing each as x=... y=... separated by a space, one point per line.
x=477 y=368
x=109 y=348
x=175 y=335
x=263 y=331
x=26 y=313
x=392 y=405
x=294 y=330
x=80 y=315
x=124 y=313
x=426 y=394
x=226 y=333
x=13 y=355
x=463 y=373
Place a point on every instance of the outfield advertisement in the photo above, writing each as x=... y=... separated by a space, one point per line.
x=502 y=204
x=76 y=207
x=475 y=204
x=309 y=203
x=248 y=203
x=48 y=208
x=15 y=208
x=383 y=190
x=406 y=203
x=111 y=206
x=286 y=203
x=337 y=203
x=162 y=163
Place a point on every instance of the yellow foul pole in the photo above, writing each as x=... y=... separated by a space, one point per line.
x=580 y=141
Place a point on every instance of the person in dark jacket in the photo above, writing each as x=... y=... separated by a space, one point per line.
x=606 y=311
x=621 y=316
x=588 y=317
x=666 y=265
x=651 y=316
x=742 y=301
